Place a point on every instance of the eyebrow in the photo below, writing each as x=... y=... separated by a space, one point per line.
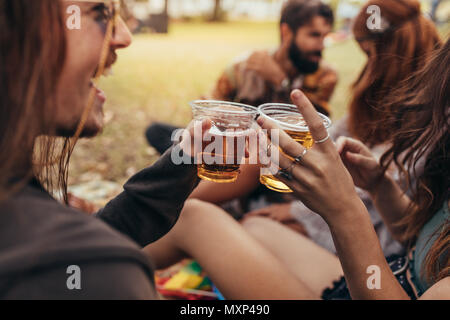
x=96 y=1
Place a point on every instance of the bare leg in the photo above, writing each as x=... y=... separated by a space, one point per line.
x=237 y=264
x=247 y=182
x=314 y=266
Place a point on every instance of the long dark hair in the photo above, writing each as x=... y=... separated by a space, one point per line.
x=420 y=120
x=32 y=55
x=397 y=52
x=297 y=13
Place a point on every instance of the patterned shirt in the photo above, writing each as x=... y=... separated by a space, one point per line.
x=240 y=84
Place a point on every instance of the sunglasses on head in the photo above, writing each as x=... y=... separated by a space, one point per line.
x=112 y=10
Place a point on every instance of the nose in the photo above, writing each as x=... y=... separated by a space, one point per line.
x=321 y=44
x=122 y=37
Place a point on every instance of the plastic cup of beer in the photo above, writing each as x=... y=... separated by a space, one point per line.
x=289 y=119
x=220 y=157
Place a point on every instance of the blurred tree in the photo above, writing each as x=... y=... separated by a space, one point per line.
x=334 y=4
x=217 y=10
x=166 y=7
x=434 y=6
x=157 y=22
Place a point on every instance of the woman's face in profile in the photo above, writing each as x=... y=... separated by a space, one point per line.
x=83 y=50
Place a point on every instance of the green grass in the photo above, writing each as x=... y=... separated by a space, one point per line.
x=158 y=75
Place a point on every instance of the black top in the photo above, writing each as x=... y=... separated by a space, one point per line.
x=40 y=238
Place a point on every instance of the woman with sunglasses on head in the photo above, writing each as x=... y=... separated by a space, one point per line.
x=47 y=78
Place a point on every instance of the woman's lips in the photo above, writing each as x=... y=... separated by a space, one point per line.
x=100 y=94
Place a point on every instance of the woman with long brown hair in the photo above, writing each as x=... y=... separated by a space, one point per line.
x=48 y=99
x=394 y=52
x=420 y=111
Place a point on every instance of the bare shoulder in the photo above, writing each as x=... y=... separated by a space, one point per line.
x=439 y=291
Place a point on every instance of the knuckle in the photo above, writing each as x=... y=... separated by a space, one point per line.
x=316 y=126
x=319 y=170
x=311 y=185
x=291 y=147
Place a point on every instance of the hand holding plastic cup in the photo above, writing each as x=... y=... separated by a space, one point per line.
x=222 y=149
x=289 y=119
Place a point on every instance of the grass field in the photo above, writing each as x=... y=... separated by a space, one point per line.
x=158 y=75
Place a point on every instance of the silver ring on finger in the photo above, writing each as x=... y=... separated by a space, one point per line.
x=300 y=157
x=324 y=139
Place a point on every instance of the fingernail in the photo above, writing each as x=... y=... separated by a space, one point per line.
x=260 y=121
x=296 y=94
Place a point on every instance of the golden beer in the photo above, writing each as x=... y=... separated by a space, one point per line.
x=307 y=141
x=230 y=127
x=220 y=173
x=292 y=122
x=304 y=138
x=226 y=164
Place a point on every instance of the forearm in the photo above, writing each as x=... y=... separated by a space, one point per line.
x=359 y=251
x=391 y=202
x=152 y=200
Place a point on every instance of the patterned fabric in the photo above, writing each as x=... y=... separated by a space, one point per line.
x=240 y=84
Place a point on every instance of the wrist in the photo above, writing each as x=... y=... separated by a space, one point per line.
x=352 y=214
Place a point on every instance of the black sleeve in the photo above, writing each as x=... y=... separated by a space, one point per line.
x=152 y=200
x=98 y=281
